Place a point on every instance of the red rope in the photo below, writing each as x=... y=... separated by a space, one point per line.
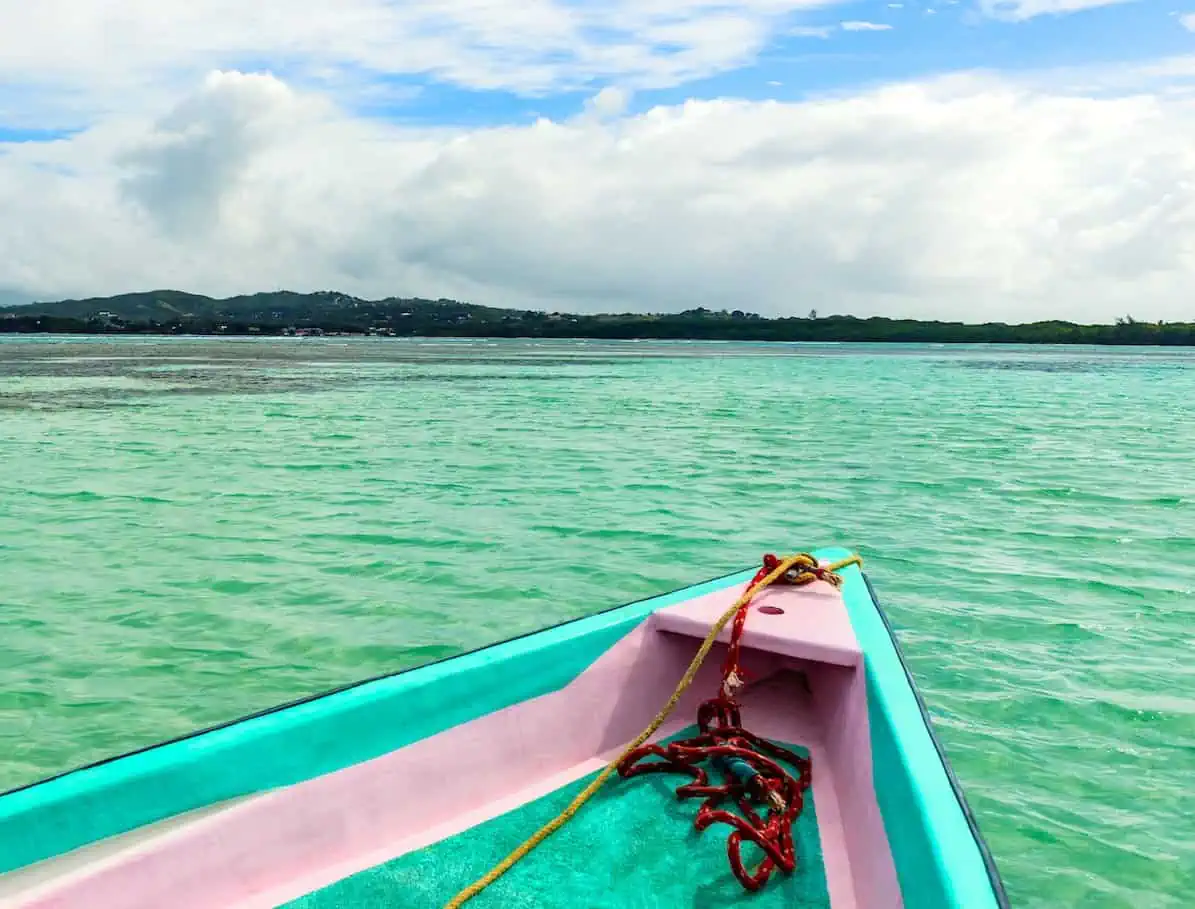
x=752 y=777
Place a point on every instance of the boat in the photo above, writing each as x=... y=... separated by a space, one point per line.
x=755 y=739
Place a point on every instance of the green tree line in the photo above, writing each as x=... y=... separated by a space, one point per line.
x=173 y=312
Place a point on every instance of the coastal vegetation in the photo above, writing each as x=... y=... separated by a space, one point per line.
x=329 y=312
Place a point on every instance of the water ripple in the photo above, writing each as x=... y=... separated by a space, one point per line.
x=275 y=518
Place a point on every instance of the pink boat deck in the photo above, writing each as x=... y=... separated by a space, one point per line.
x=272 y=848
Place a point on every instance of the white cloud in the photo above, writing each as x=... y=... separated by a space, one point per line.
x=64 y=62
x=194 y=157
x=609 y=102
x=1165 y=76
x=1187 y=21
x=964 y=197
x=1021 y=10
x=856 y=26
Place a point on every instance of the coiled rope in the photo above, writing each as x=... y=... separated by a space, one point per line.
x=801 y=568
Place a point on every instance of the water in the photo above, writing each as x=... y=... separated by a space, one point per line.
x=194 y=529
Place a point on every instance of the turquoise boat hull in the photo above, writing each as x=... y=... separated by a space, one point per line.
x=119 y=829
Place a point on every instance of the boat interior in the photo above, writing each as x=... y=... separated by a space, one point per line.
x=414 y=826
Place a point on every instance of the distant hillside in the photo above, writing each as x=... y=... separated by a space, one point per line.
x=176 y=312
x=281 y=308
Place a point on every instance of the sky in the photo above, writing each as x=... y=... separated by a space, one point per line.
x=958 y=159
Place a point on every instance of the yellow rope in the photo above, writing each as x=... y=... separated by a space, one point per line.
x=803 y=560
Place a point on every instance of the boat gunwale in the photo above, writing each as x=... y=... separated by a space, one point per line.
x=993 y=872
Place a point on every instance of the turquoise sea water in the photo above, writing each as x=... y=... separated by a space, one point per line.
x=194 y=529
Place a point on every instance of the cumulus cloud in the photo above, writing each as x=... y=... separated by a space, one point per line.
x=961 y=197
x=1187 y=21
x=609 y=102
x=192 y=160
